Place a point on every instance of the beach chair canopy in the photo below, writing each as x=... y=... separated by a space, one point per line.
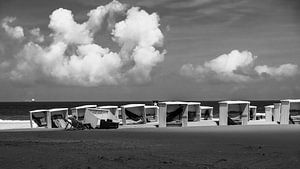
x=58 y=116
x=113 y=109
x=290 y=111
x=173 y=113
x=135 y=112
x=152 y=113
x=194 y=112
x=233 y=112
x=95 y=115
x=206 y=112
x=79 y=111
x=39 y=117
x=85 y=106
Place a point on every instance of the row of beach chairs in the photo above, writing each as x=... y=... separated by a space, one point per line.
x=163 y=114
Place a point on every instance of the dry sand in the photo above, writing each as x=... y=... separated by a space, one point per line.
x=236 y=147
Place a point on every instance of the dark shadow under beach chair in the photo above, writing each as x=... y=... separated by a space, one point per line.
x=108 y=124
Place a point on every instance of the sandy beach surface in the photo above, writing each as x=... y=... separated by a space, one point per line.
x=230 y=147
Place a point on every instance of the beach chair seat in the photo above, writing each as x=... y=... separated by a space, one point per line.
x=60 y=123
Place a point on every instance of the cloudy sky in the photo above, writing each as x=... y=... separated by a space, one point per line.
x=143 y=50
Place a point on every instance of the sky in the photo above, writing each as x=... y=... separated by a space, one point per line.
x=101 y=50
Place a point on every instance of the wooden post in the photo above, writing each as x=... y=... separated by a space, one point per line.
x=49 y=120
x=223 y=114
x=144 y=115
x=254 y=113
x=67 y=113
x=198 y=113
x=244 y=116
x=269 y=113
x=162 y=115
x=31 y=120
x=284 y=112
x=184 y=119
x=211 y=115
x=277 y=112
x=157 y=114
x=123 y=116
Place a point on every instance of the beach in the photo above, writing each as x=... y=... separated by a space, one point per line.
x=214 y=147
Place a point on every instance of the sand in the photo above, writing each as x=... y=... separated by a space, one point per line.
x=214 y=147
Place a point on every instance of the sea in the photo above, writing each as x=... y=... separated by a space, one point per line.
x=16 y=111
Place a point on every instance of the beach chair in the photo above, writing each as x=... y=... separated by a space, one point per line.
x=174 y=114
x=77 y=125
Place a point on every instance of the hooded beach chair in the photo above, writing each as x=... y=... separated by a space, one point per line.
x=76 y=125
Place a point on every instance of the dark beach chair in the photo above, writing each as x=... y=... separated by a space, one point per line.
x=77 y=125
x=108 y=124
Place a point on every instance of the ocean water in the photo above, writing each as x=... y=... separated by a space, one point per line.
x=20 y=110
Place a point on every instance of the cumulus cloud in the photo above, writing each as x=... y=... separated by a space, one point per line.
x=97 y=16
x=88 y=63
x=14 y=32
x=67 y=30
x=236 y=67
x=37 y=36
x=285 y=70
x=224 y=67
x=137 y=35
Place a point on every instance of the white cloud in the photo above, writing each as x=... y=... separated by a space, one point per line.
x=228 y=63
x=14 y=32
x=67 y=30
x=137 y=35
x=37 y=36
x=236 y=67
x=223 y=67
x=96 y=16
x=90 y=64
x=285 y=70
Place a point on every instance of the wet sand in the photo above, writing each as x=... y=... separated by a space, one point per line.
x=236 y=147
